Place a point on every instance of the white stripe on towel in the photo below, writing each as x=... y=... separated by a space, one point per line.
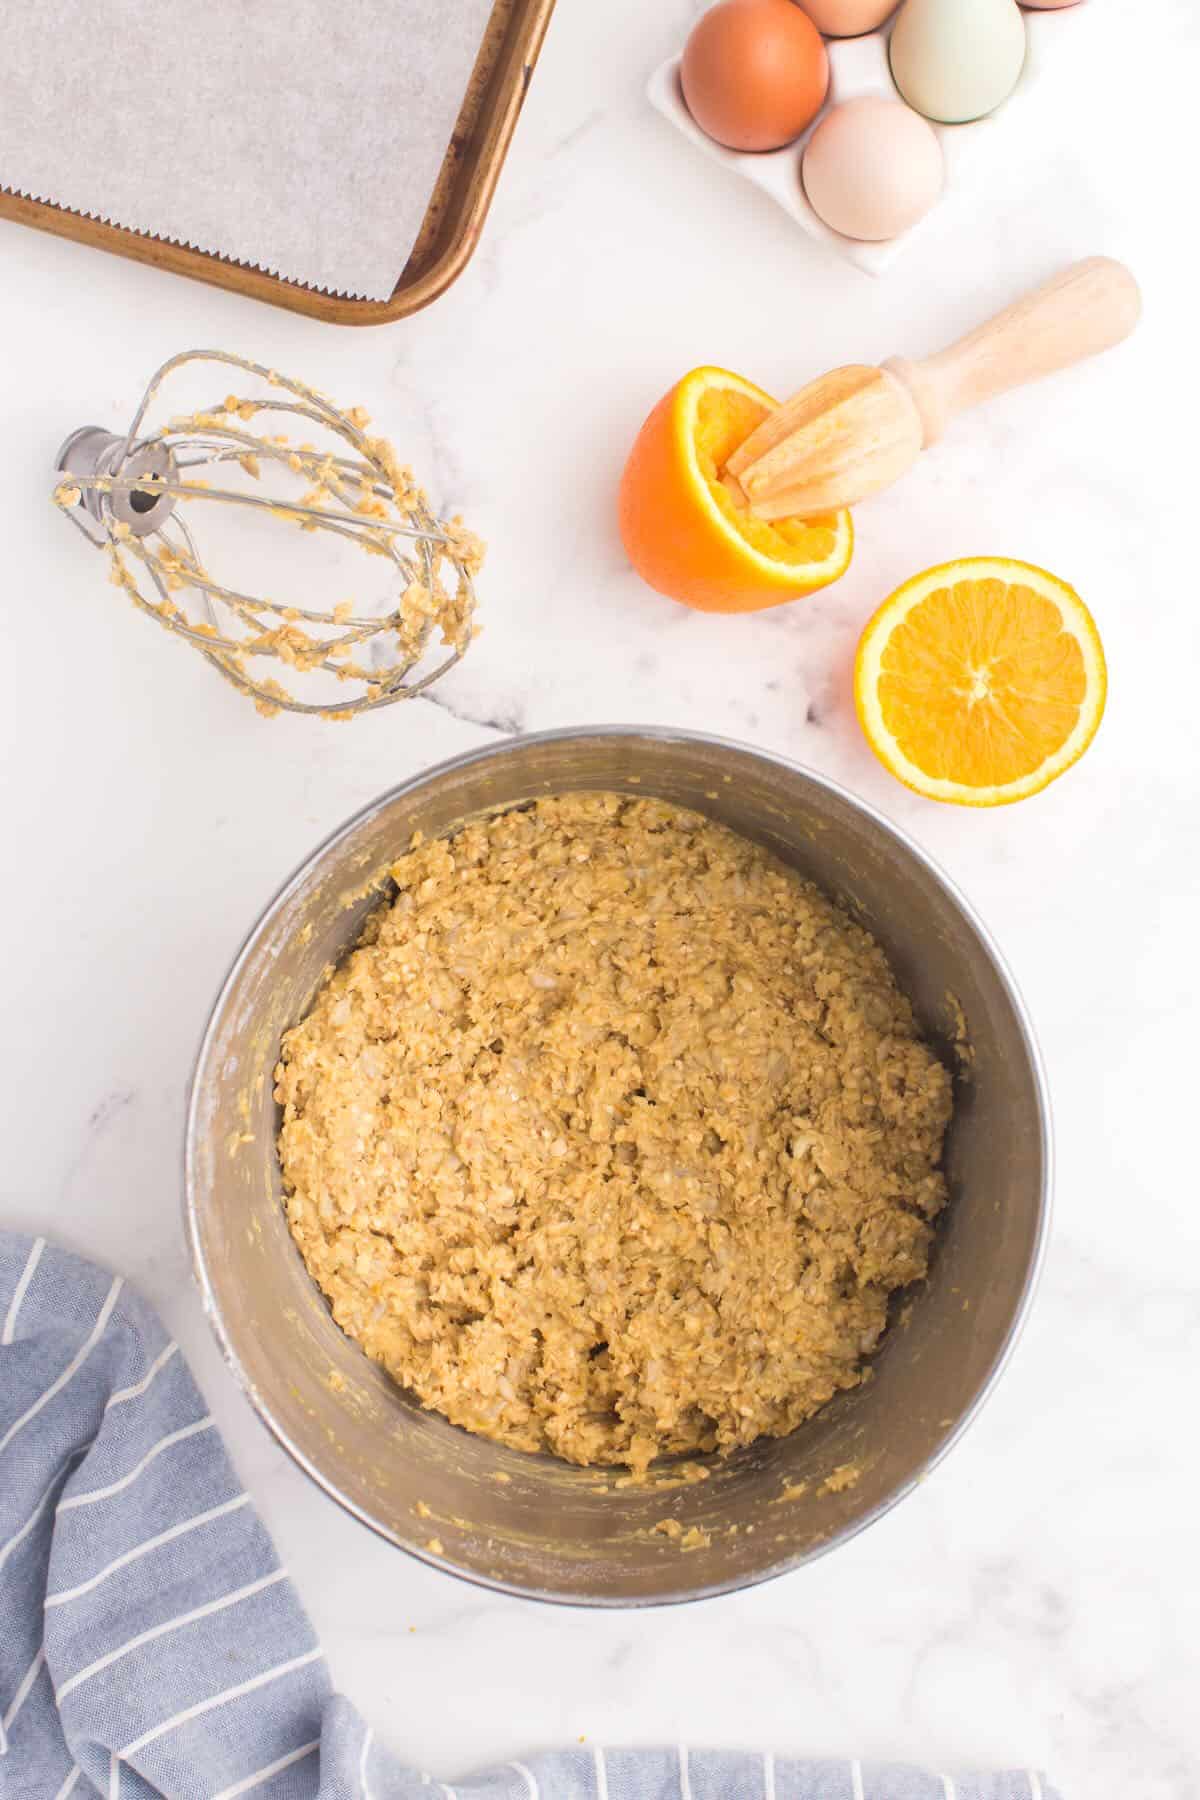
x=261 y=1775
x=601 y=1773
x=114 y=1776
x=157 y=1631
x=1035 y=1785
x=22 y=1533
x=768 y=1776
x=164 y=1537
x=31 y=1263
x=76 y=1362
x=947 y=1788
x=685 y=1779
x=362 y=1764
x=114 y=1487
x=22 y=1693
x=527 y=1776
x=139 y=1387
x=68 y=1786
x=856 y=1781
x=221 y=1699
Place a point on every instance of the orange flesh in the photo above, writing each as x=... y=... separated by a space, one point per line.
x=725 y=419
x=980 y=683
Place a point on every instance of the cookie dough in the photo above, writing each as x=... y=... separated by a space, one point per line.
x=612 y=1136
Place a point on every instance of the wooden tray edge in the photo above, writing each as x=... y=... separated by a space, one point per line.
x=510 y=79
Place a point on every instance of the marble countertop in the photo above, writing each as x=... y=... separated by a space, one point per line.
x=1037 y=1602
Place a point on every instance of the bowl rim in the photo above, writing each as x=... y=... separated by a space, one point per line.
x=670 y=735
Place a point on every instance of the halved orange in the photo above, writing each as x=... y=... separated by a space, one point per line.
x=980 y=681
x=681 y=530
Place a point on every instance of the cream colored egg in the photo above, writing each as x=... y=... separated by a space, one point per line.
x=872 y=168
x=956 y=60
x=849 y=18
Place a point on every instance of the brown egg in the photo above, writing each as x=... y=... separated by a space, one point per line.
x=754 y=73
x=848 y=18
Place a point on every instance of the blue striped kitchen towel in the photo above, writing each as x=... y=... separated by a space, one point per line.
x=150 y=1643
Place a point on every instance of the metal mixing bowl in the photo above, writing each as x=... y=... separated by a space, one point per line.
x=550 y=1530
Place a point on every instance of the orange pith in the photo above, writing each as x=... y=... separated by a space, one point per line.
x=981 y=681
x=681 y=529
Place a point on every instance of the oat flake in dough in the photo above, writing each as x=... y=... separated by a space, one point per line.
x=612 y=1136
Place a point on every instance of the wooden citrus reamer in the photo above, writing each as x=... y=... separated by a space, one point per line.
x=858 y=429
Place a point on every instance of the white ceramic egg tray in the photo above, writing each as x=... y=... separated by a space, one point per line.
x=859 y=66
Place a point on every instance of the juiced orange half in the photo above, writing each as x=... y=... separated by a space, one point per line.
x=681 y=530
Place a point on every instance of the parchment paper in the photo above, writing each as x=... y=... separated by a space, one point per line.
x=303 y=136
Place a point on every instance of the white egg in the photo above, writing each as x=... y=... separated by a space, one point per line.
x=956 y=60
x=872 y=168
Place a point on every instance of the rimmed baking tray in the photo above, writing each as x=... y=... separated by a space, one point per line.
x=453 y=219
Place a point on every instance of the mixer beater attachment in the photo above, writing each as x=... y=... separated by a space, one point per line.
x=129 y=495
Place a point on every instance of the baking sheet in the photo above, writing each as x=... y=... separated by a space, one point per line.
x=296 y=136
